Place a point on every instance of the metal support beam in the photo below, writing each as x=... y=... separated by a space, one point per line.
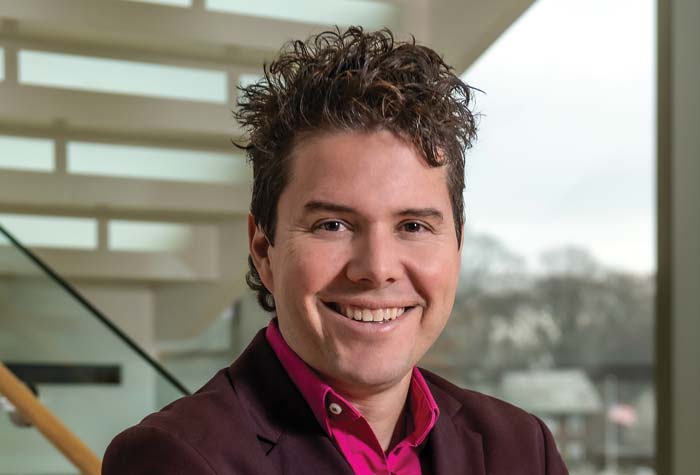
x=60 y=156
x=102 y=234
x=678 y=280
x=11 y=68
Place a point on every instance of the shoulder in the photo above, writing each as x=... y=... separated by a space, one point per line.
x=483 y=411
x=187 y=436
x=193 y=419
x=502 y=426
x=144 y=449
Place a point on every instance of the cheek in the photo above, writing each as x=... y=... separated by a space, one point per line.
x=438 y=277
x=305 y=269
x=436 y=273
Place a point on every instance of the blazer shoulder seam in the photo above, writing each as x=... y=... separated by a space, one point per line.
x=181 y=440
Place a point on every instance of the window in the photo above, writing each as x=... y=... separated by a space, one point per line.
x=124 y=77
x=148 y=236
x=52 y=231
x=370 y=14
x=172 y=3
x=155 y=163
x=21 y=153
x=555 y=307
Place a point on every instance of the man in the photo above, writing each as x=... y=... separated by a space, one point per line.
x=357 y=144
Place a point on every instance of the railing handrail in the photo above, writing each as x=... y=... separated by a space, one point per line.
x=96 y=312
x=34 y=412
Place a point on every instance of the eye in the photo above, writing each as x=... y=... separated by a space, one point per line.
x=413 y=227
x=332 y=226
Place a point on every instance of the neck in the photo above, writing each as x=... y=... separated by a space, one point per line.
x=383 y=409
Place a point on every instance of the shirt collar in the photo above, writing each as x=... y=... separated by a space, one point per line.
x=424 y=410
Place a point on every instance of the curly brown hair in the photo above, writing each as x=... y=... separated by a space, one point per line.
x=352 y=81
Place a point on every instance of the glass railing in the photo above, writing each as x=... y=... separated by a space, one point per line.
x=84 y=369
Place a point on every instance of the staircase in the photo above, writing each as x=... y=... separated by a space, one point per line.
x=120 y=190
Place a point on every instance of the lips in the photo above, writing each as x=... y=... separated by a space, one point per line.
x=367 y=315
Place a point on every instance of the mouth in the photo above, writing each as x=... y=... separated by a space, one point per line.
x=367 y=315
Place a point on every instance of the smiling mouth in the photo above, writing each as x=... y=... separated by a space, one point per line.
x=367 y=315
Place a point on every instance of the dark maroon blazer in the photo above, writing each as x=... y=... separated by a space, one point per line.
x=251 y=419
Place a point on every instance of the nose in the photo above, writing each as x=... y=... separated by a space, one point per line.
x=376 y=259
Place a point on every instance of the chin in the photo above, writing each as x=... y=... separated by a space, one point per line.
x=372 y=376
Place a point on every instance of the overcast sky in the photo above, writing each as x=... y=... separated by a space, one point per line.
x=567 y=143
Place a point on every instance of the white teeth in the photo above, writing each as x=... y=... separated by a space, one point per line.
x=371 y=315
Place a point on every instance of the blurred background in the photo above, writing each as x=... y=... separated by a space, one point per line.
x=123 y=208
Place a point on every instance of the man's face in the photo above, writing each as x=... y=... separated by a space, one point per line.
x=365 y=231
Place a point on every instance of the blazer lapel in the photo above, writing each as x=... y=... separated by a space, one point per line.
x=296 y=444
x=453 y=448
x=291 y=437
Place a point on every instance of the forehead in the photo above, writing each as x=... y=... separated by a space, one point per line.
x=369 y=171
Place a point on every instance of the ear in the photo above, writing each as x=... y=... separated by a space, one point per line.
x=259 y=247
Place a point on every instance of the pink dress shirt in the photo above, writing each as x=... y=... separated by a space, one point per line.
x=345 y=425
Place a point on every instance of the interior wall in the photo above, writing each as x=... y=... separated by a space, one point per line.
x=42 y=324
x=130 y=307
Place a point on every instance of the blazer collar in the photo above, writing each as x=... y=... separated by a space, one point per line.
x=451 y=443
x=275 y=405
x=283 y=420
x=264 y=388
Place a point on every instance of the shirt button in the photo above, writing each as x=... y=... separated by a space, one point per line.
x=335 y=408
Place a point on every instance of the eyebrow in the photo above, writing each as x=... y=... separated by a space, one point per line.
x=423 y=213
x=317 y=205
